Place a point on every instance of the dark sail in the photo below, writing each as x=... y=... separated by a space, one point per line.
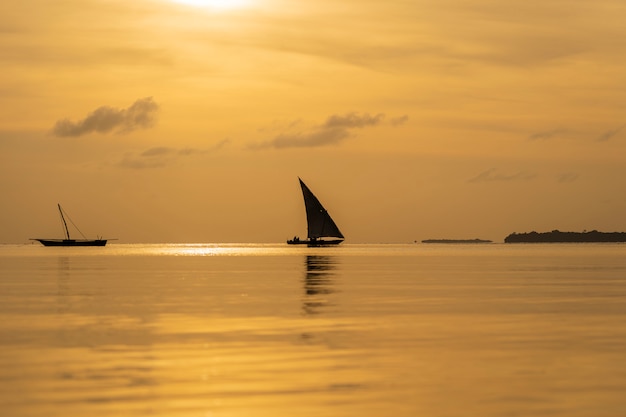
x=319 y=222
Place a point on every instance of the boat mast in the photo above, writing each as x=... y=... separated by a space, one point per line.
x=67 y=232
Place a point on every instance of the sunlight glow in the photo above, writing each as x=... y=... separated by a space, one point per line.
x=215 y=4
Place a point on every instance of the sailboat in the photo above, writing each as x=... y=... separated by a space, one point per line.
x=68 y=241
x=321 y=229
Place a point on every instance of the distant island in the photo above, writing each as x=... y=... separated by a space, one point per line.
x=557 y=236
x=456 y=241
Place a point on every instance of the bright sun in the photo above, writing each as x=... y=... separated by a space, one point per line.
x=215 y=4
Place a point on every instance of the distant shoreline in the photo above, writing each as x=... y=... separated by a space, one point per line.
x=557 y=236
x=456 y=241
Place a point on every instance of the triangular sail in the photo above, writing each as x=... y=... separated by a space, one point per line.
x=319 y=222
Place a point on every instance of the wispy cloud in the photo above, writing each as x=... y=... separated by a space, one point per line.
x=322 y=137
x=161 y=156
x=549 y=134
x=334 y=130
x=352 y=120
x=491 y=175
x=158 y=151
x=397 y=121
x=609 y=134
x=140 y=115
x=567 y=177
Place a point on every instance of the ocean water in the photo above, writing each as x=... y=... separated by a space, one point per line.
x=209 y=330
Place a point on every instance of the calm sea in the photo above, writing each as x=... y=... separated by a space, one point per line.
x=209 y=330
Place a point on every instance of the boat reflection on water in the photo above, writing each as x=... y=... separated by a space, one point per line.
x=318 y=282
x=63 y=285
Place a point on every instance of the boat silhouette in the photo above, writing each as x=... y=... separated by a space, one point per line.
x=321 y=229
x=68 y=241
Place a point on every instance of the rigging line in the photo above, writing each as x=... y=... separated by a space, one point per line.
x=71 y=221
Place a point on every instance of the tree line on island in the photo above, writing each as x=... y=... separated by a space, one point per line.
x=557 y=236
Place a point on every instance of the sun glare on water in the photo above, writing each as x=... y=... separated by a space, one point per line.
x=215 y=4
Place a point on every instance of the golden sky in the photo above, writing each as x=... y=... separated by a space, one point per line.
x=190 y=121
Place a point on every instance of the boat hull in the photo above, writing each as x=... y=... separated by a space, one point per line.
x=316 y=242
x=72 y=242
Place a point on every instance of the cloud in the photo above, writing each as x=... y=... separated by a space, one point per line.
x=140 y=115
x=334 y=130
x=353 y=120
x=490 y=175
x=158 y=151
x=567 y=177
x=321 y=137
x=397 y=121
x=610 y=134
x=547 y=134
x=161 y=156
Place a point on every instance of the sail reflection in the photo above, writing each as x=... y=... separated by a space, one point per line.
x=318 y=282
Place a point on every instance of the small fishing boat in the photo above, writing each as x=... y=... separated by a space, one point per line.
x=68 y=241
x=321 y=229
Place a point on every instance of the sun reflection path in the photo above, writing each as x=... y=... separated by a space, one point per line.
x=216 y=4
x=201 y=249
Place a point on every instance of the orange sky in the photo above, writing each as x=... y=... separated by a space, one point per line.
x=163 y=121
